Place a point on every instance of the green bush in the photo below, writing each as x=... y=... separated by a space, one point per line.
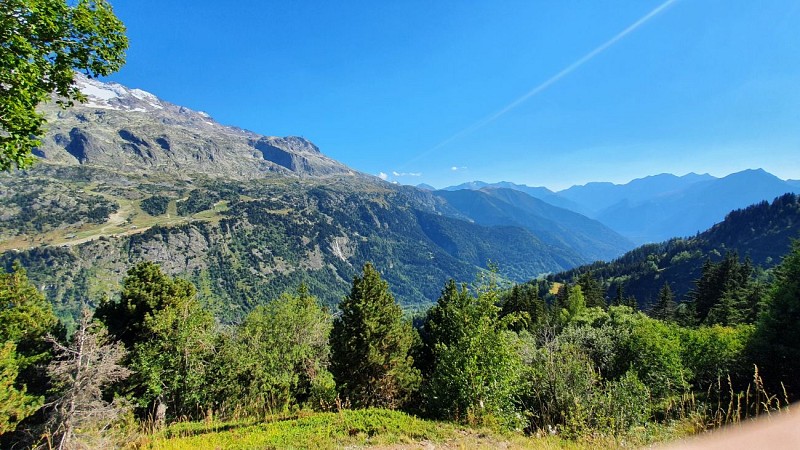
x=155 y=205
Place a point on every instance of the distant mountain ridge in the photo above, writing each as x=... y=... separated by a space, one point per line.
x=658 y=207
x=555 y=226
x=761 y=232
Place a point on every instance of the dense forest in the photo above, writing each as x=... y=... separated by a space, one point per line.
x=538 y=357
x=758 y=234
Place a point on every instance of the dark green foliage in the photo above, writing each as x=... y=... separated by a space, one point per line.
x=776 y=344
x=169 y=335
x=26 y=318
x=50 y=206
x=155 y=205
x=592 y=290
x=524 y=301
x=15 y=402
x=146 y=289
x=198 y=200
x=171 y=363
x=761 y=232
x=42 y=43
x=664 y=309
x=370 y=345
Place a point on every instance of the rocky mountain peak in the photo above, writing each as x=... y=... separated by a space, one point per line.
x=134 y=131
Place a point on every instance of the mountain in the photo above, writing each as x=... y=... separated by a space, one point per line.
x=132 y=130
x=762 y=232
x=554 y=226
x=597 y=197
x=533 y=191
x=539 y=192
x=658 y=207
x=692 y=209
x=128 y=177
x=425 y=187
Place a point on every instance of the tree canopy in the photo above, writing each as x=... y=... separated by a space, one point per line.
x=42 y=44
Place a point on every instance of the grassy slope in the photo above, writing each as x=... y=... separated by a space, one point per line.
x=357 y=429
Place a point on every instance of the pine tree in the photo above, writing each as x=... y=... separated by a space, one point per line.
x=592 y=291
x=777 y=339
x=169 y=336
x=524 y=300
x=15 y=403
x=26 y=317
x=370 y=345
x=665 y=308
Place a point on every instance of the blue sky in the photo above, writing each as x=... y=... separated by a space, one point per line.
x=406 y=87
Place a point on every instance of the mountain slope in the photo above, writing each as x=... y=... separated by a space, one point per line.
x=128 y=177
x=589 y=239
x=762 y=232
x=692 y=209
x=243 y=244
x=132 y=130
x=596 y=197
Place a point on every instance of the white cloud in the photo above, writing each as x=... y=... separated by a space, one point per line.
x=457 y=168
x=382 y=176
x=406 y=174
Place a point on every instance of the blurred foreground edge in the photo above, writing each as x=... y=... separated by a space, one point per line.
x=774 y=432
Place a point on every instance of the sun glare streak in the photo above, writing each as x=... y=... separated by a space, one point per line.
x=549 y=82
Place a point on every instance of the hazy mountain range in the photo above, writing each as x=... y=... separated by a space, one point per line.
x=761 y=232
x=658 y=207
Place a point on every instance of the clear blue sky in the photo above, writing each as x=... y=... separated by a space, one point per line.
x=407 y=86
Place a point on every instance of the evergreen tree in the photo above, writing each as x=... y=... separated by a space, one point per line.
x=145 y=289
x=592 y=290
x=619 y=299
x=15 y=403
x=26 y=317
x=524 y=300
x=664 y=309
x=370 y=345
x=170 y=339
x=777 y=339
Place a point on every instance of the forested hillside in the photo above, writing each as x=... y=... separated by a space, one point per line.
x=554 y=225
x=245 y=243
x=761 y=233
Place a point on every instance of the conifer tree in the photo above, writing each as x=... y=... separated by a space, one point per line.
x=664 y=309
x=524 y=300
x=26 y=317
x=370 y=344
x=777 y=340
x=592 y=290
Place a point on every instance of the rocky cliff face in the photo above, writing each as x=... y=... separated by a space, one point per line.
x=132 y=130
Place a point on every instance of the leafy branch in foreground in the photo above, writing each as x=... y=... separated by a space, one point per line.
x=42 y=43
